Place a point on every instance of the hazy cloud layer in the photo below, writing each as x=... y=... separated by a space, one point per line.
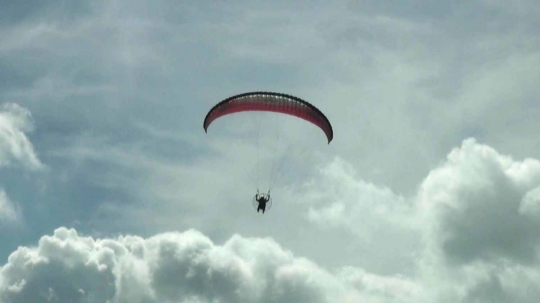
x=109 y=96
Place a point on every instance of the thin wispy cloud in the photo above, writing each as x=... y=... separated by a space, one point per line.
x=15 y=147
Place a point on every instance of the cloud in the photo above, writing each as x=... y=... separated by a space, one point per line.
x=15 y=121
x=530 y=204
x=179 y=267
x=479 y=204
x=472 y=221
x=476 y=201
x=472 y=228
x=381 y=221
x=8 y=210
x=15 y=148
x=480 y=238
x=353 y=199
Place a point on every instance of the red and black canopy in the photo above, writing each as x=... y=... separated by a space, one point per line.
x=270 y=102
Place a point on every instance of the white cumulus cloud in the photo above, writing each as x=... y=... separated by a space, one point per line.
x=475 y=202
x=181 y=267
x=471 y=229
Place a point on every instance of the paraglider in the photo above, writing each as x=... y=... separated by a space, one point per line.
x=269 y=102
x=262 y=201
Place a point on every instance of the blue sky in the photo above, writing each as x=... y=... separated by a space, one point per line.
x=428 y=193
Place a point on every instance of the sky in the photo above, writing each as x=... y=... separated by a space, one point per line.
x=111 y=191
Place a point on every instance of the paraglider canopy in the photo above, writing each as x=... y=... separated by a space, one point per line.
x=270 y=102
